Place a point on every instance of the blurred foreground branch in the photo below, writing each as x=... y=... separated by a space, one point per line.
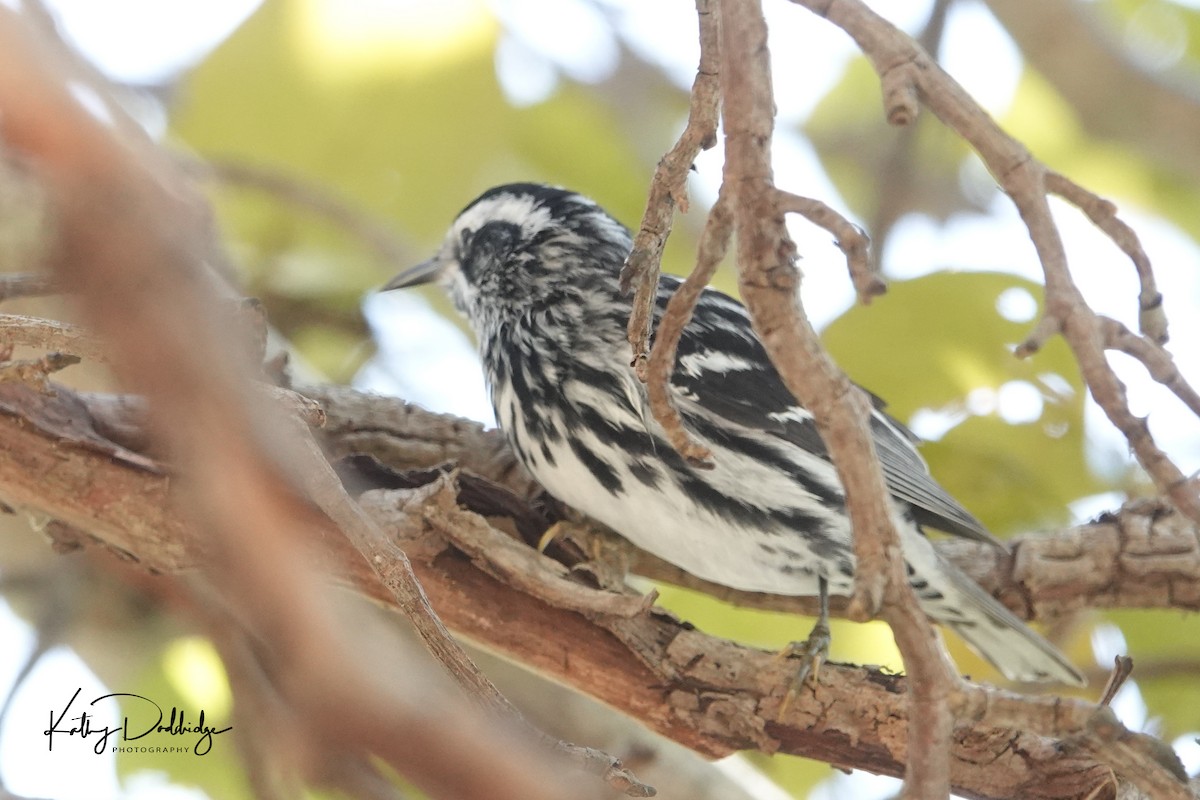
x=133 y=240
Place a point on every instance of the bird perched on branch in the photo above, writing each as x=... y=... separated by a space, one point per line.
x=535 y=270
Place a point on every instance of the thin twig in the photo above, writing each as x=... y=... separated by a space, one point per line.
x=668 y=189
x=1082 y=330
x=1152 y=320
x=714 y=243
x=1122 y=669
x=896 y=57
x=510 y=561
x=851 y=240
x=769 y=281
x=1153 y=356
x=897 y=180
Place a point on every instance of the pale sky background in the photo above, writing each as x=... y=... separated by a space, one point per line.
x=545 y=41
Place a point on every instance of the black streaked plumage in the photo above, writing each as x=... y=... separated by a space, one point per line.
x=535 y=270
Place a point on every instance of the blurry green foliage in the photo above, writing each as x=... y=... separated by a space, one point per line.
x=1163 y=25
x=927 y=344
x=403 y=125
x=857 y=146
x=186 y=676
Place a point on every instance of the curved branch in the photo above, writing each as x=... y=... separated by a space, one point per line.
x=714 y=243
x=850 y=239
x=1152 y=320
x=1113 y=96
x=1026 y=181
x=710 y=694
x=769 y=283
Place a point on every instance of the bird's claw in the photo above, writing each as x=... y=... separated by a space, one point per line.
x=552 y=533
x=812 y=653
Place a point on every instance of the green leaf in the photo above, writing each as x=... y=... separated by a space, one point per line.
x=928 y=344
x=408 y=139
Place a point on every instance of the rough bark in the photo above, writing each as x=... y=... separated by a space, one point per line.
x=710 y=694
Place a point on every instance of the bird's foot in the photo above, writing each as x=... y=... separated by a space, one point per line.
x=812 y=653
x=597 y=553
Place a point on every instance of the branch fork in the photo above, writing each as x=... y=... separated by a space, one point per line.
x=768 y=280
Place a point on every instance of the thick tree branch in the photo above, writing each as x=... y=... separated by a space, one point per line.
x=1143 y=556
x=709 y=694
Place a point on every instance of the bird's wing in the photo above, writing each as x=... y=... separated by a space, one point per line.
x=723 y=369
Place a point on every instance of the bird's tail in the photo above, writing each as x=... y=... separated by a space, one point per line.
x=995 y=633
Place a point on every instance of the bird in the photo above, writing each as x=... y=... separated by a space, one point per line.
x=535 y=269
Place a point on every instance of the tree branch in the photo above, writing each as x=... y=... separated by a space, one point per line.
x=714 y=243
x=769 y=283
x=668 y=189
x=1069 y=45
x=48 y=334
x=1143 y=556
x=896 y=57
x=707 y=693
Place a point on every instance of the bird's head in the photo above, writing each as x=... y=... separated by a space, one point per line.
x=523 y=246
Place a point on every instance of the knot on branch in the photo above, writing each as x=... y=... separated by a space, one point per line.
x=901 y=103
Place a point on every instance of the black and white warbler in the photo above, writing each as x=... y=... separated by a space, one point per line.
x=535 y=271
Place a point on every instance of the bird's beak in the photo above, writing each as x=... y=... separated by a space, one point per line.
x=425 y=272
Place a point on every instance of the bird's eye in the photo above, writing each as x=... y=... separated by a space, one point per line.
x=467 y=236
